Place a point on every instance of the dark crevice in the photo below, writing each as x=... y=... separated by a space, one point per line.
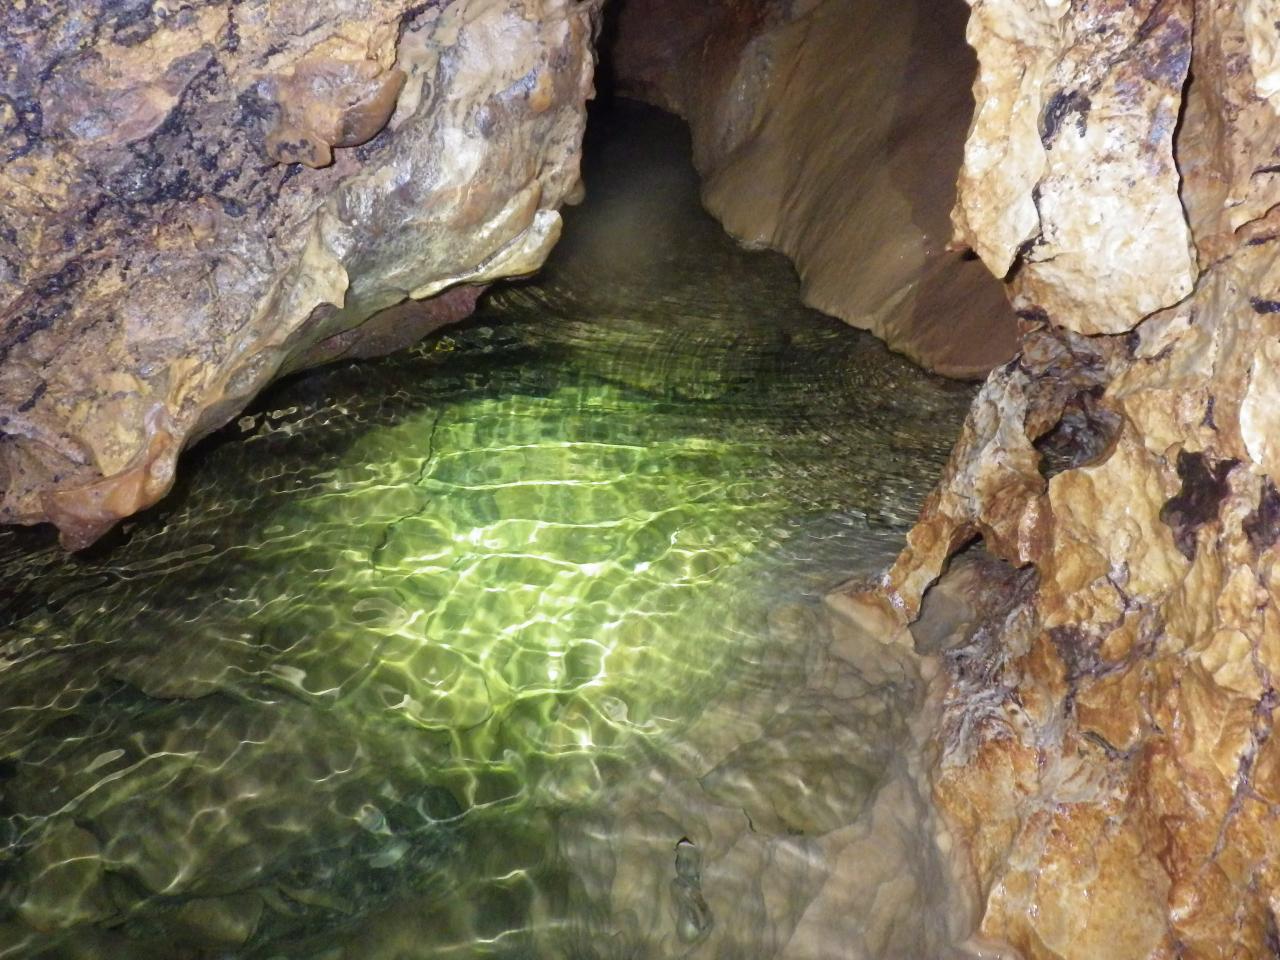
x=1204 y=487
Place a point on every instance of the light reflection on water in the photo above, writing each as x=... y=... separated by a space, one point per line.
x=428 y=655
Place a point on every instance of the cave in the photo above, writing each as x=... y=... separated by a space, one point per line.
x=639 y=478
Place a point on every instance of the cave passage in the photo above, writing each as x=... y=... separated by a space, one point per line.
x=508 y=645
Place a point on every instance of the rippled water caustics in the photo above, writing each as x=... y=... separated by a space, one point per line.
x=505 y=646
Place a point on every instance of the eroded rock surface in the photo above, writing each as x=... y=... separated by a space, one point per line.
x=196 y=199
x=1106 y=755
x=844 y=162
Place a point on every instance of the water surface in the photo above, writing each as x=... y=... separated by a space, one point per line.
x=508 y=645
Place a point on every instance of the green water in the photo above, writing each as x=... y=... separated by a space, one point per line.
x=368 y=682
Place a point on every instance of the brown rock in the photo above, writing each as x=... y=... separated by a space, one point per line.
x=196 y=200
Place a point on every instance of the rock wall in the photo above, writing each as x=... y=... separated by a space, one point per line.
x=1106 y=754
x=831 y=130
x=197 y=198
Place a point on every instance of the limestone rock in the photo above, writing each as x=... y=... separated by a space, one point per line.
x=1069 y=166
x=196 y=199
x=845 y=163
x=1106 y=751
x=992 y=486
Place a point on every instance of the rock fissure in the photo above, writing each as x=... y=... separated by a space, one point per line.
x=844 y=163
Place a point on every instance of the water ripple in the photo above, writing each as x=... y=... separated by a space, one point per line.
x=420 y=648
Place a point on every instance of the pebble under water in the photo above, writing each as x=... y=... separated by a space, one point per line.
x=509 y=645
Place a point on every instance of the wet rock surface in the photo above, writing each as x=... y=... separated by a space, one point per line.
x=1106 y=753
x=197 y=198
x=845 y=163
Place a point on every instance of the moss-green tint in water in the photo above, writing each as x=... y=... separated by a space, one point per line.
x=407 y=625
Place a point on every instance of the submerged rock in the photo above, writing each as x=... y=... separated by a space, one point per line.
x=225 y=920
x=196 y=200
x=62 y=883
x=693 y=916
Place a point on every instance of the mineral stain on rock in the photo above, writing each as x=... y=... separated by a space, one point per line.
x=1262 y=526
x=1064 y=106
x=161 y=268
x=1204 y=487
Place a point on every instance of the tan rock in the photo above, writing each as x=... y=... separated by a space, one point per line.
x=992 y=486
x=845 y=163
x=1115 y=708
x=1063 y=898
x=1069 y=166
x=1088 y=580
x=1146 y=825
x=1260 y=408
x=1004 y=158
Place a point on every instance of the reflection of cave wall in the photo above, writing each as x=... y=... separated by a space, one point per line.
x=832 y=130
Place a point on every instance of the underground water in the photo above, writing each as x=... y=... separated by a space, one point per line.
x=508 y=645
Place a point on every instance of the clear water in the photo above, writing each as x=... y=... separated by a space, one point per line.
x=444 y=655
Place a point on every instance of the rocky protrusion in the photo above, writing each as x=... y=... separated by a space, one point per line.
x=195 y=200
x=331 y=99
x=1107 y=758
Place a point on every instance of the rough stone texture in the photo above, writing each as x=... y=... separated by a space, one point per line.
x=195 y=198
x=1106 y=758
x=843 y=162
x=1069 y=166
